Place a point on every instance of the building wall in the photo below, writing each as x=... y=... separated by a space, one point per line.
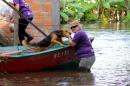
x=46 y=14
x=46 y=17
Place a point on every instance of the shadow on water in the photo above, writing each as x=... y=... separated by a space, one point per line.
x=112 y=66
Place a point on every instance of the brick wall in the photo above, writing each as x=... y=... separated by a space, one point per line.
x=46 y=14
x=46 y=17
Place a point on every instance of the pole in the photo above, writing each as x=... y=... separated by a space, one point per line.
x=24 y=17
x=16 y=29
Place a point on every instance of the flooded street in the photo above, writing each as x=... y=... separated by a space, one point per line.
x=111 y=68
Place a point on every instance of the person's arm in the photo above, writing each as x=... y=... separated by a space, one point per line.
x=17 y=6
x=71 y=41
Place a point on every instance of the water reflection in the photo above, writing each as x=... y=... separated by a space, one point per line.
x=112 y=66
x=53 y=78
x=108 y=26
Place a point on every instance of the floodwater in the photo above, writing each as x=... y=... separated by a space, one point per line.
x=111 y=68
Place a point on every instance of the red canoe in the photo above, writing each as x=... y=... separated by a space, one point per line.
x=20 y=59
x=21 y=62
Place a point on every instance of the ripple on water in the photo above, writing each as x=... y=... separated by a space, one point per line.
x=111 y=68
x=112 y=58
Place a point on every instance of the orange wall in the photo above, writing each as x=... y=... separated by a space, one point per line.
x=46 y=17
x=42 y=10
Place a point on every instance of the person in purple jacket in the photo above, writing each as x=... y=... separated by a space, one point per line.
x=82 y=44
x=25 y=10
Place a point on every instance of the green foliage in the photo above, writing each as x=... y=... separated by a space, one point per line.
x=103 y=19
x=126 y=18
x=104 y=4
x=118 y=5
x=64 y=16
x=84 y=9
x=91 y=17
x=74 y=9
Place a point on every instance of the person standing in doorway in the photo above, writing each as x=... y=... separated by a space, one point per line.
x=25 y=10
x=82 y=44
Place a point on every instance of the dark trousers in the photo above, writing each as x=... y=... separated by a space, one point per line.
x=23 y=23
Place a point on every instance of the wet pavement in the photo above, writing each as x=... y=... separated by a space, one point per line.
x=111 y=68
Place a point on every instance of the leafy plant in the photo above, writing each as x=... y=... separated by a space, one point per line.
x=126 y=18
x=74 y=9
x=84 y=9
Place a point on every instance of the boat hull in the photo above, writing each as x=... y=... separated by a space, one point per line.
x=37 y=61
